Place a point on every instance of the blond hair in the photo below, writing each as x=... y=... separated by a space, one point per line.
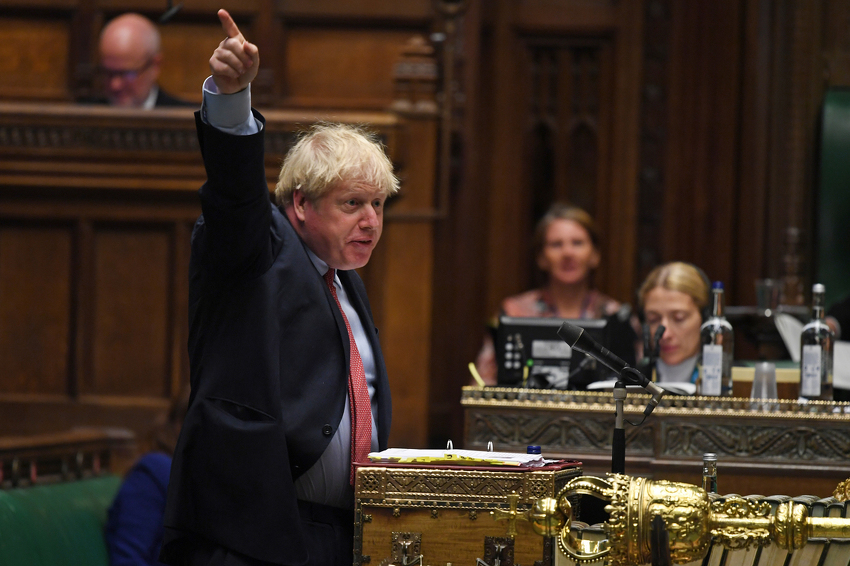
x=327 y=153
x=677 y=276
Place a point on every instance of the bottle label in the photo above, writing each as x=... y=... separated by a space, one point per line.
x=810 y=370
x=712 y=369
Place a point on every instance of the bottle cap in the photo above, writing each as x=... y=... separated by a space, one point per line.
x=533 y=450
x=818 y=288
x=717 y=285
x=709 y=456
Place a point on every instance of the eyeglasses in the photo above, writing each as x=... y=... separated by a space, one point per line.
x=125 y=74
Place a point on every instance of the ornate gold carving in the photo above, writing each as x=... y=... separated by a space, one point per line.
x=579 y=422
x=735 y=536
x=692 y=522
x=765 y=442
x=419 y=486
x=371 y=482
x=602 y=402
x=842 y=491
x=510 y=515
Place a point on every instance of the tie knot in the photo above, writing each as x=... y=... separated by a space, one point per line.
x=329 y=277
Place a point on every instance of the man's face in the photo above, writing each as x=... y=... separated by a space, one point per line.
x=343 y=227
x=128 y=74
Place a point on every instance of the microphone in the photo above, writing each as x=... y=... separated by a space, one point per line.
x=659 y=332
x=170 y=11
x=576 y=338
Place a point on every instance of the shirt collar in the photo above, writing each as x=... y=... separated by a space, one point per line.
x=150 y=101
x=320 y=265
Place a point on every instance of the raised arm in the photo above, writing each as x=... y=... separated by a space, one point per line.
x=235 y=62
x=234 y=236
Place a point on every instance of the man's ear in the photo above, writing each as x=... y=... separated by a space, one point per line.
x=156 y=63
x=299 y=203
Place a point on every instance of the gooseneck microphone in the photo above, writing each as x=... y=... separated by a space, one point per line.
x=576 y=338
x=170 y=11
x=659 y=333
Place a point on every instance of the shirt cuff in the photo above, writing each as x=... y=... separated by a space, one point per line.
x=230 y=113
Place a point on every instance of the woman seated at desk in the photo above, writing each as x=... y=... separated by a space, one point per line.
x=675 y=295
x=566 y=247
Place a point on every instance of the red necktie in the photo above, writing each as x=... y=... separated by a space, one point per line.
x=358 y=394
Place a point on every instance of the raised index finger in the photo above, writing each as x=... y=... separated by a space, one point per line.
x=228 y=25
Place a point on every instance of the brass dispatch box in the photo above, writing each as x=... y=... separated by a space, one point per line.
x=439 y=515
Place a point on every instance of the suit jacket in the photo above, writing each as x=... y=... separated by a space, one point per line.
x=164 y=100
x=268 y=353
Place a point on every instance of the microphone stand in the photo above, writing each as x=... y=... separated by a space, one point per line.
x=575 y=337
x=618 y=446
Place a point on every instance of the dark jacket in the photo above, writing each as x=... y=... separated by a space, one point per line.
x=165 y=100
x=269 y=364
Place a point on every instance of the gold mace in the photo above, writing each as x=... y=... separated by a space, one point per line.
x=692 y=520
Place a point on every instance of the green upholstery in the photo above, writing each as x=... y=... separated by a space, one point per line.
x=833 y=210
x=56 y=524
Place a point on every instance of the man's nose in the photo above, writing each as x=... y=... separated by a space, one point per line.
x=369 y=219
x=116 y=82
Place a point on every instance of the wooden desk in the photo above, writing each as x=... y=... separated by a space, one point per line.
x=792 y=449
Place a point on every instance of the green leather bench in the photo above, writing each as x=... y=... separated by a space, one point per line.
x=56 y=524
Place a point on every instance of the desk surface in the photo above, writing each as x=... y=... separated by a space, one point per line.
x=784 y=447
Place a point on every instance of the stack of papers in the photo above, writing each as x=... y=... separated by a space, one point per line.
x=456 y=457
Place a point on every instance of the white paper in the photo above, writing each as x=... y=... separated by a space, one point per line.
x=413 y=455
x=790 y=328
x=841 y=365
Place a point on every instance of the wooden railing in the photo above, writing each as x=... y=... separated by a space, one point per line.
x=59 y=456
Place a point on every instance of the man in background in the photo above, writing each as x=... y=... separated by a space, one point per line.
x=130 y=59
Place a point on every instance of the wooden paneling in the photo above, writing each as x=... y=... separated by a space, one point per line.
x=34 y=58
x=186 y=49
x=567 y=125
x=132 y=300
x=96 y=210
x=700 y=214
x=342 y=67
x=35 y=307
x=688 y=128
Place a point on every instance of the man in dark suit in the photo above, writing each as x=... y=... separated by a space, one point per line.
x=288 y=381
x=130 y=60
